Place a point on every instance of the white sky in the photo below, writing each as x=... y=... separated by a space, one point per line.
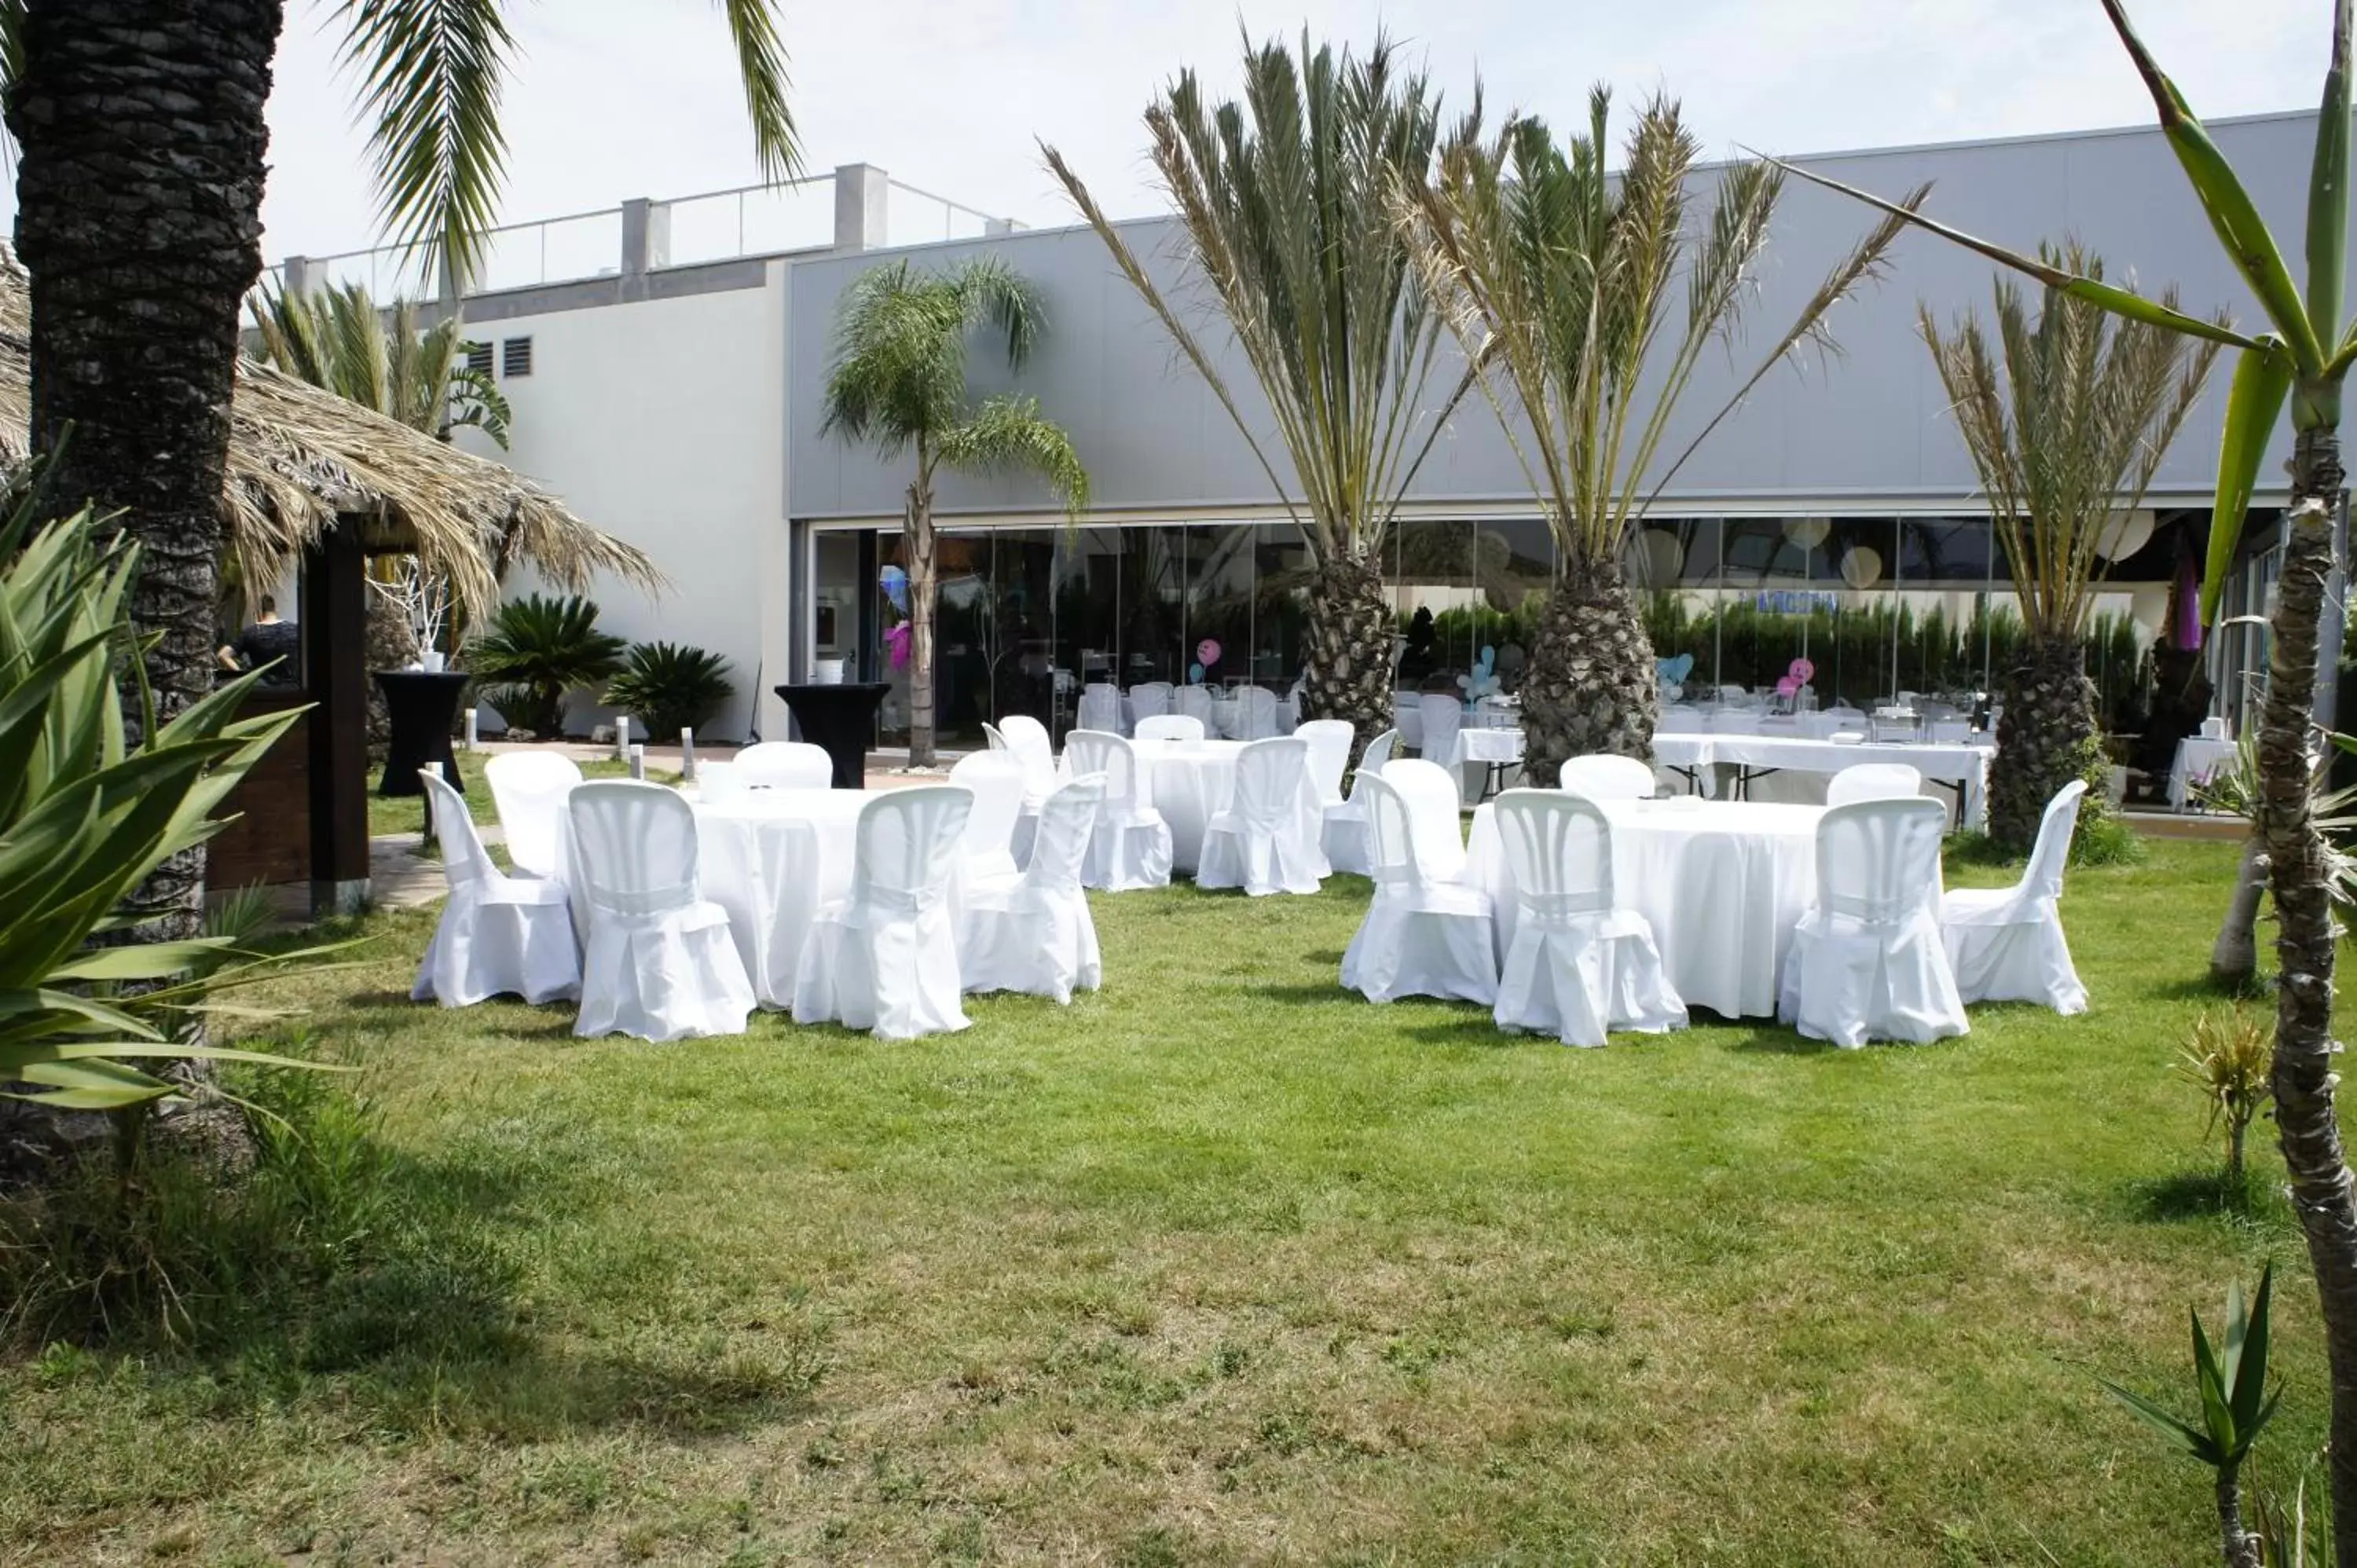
x=623 y=98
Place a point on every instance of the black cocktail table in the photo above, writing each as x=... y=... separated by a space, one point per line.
x=419 y=709
x=839 y=719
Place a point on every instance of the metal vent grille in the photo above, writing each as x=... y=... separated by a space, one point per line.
x=478 y=357
x=515 y=357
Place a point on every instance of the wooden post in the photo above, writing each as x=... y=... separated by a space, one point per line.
x=335 y=668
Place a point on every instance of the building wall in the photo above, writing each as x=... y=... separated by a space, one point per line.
x=660 y=420
x=1865 y=432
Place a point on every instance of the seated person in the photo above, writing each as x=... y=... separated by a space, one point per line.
x=267 y=641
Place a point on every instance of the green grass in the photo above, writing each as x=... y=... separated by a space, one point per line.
x=1217 y=1265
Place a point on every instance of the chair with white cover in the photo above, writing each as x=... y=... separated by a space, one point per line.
x=499 y=935
x=1256 y=714
x=1347 y=838
x=1426 y=933
x=528 y=791
x=1329 y=755
x=1027 y=738
x=1873 y=782
x=1604 y=777
x=1036 y=936
x=1170 y=726
x=885 y=958
x=1147 y=699
x=1443 y=716
x=1261 y=842
x=998 y=782
x=785 y=765
x=2005 y=944
x=1580 y=966
x=993 y=736
x=1867 y=962
x=1129 y=848
x=1101 y=708
x=1198 y=704
x=660 y=963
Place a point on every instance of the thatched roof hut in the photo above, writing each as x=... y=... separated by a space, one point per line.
x=301 y=456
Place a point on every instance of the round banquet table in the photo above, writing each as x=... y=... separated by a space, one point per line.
x=1191 y=782
x=1722 y=883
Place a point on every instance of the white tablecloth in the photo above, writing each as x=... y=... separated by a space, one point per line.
x=1723 y=883
x=1956 y=765
x=2199 y=759
x=1190 y=782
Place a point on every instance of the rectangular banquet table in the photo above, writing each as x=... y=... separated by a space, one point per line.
x=1722 y=882
x=1960 y=765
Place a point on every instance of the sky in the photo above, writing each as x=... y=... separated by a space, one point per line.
x=613 y=99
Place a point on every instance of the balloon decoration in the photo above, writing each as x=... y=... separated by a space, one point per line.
x=1655 y=558
x=2123 y=534
x=1787 y=688
x=1800 y=672
x=1674 y=671
x=1862 y=567
x=1194 y=674
x=1808 y=532
x=895 y=583
x=896 y=642
x=1208 y=652
x=1484 y=678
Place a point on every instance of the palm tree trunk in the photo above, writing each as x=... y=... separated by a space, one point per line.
x=139 y=192
x=917 y=532
x=2240 y=1546
x=1348 y=672
x=2303 y=1074
x=1590 y=686
x=2234 y=956
x=2046 y=737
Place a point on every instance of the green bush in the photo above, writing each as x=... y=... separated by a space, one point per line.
x=534 y=651
x=668 y=687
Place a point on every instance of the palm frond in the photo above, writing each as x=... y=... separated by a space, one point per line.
x=899 y=373
x=761 y=67
x=1007 y=433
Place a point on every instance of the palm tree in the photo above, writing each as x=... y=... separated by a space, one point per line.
x=2066 y=421
x=1284 y=201
x=2304 y=358
x=898 y=383
x=139 y=181
x=338 y=339
x=1564 y=280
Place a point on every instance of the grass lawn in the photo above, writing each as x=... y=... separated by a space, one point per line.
x=1217 y=1265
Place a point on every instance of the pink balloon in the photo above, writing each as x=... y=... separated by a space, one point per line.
x=1802 y=672
x=1786 y=687
x=1207 y=651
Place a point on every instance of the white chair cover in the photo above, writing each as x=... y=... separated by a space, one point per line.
x=1130 y=846
x=660 y=963
x=1873 y=782
x=994 y=737
x=1580 y=965
x=1036 y=936
x=1026 y=737
x=1348 y=837
x=1260 y=842
x=528 y=791
x=1329 y=755
x=1424 y=935
x=1197 y=704
x=998 y=783
x=1170 y=726
x=885 y=958
x=1607 y=777
x=1149 y=698
x=785 y=765
x=2005 y=944
x=1867 y=962
x=1430 y=792
x=1255 y=715
x=1101 y=708
x=1442 y=716
x=499 y=935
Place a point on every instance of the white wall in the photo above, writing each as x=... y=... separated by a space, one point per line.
x=662 y=422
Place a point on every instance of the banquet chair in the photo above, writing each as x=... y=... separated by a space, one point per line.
x=1129 y=846
x=1425 y=934
x=1101 y=708
x=528 y=790
x=998 y=782
x=885 y=957
x=1443 y=716
x=1147 y=699
x=1345 y=836
x=1170 y=726
x=1433 y=808
x=660 y=963
x=499 y=935
x=1261 y=842
x=1580 y=965
x=1197 y=704
x=2005 y=944
x=1329 y=755
x=1035 y=935
x=1026 y=737
x=1867 y=962
x=785 y=765
x=994 y=738
x=1256 y=714
x=1874 y=781
x=1605 y=776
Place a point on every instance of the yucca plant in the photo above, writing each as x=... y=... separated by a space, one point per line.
x=339 y=339
x=2067 y=419
x=2227 y=1061
x=535 y=651
x=1283 y=201
x=669 y=687
x=2303 y=360
x=1590 y=301
x=2232 y=1383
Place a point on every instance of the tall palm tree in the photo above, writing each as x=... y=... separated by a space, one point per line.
x=1566 y=281
x=1284 y=201
x=2303 y=360
x=139 y=181
x=898 y=383
x=2066 y=421
x=337 y=338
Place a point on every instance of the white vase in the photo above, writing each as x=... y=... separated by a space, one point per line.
x=435 y=661
x=826 y=671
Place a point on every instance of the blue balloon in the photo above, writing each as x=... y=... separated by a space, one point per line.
x=895 y=583
x=1194 y=674
x=1488 y=658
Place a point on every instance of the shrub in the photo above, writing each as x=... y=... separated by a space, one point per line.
x=534 y=651
x=668 y=687
x=2228 y=1060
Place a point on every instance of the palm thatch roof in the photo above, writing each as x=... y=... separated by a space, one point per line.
x=300 y=456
